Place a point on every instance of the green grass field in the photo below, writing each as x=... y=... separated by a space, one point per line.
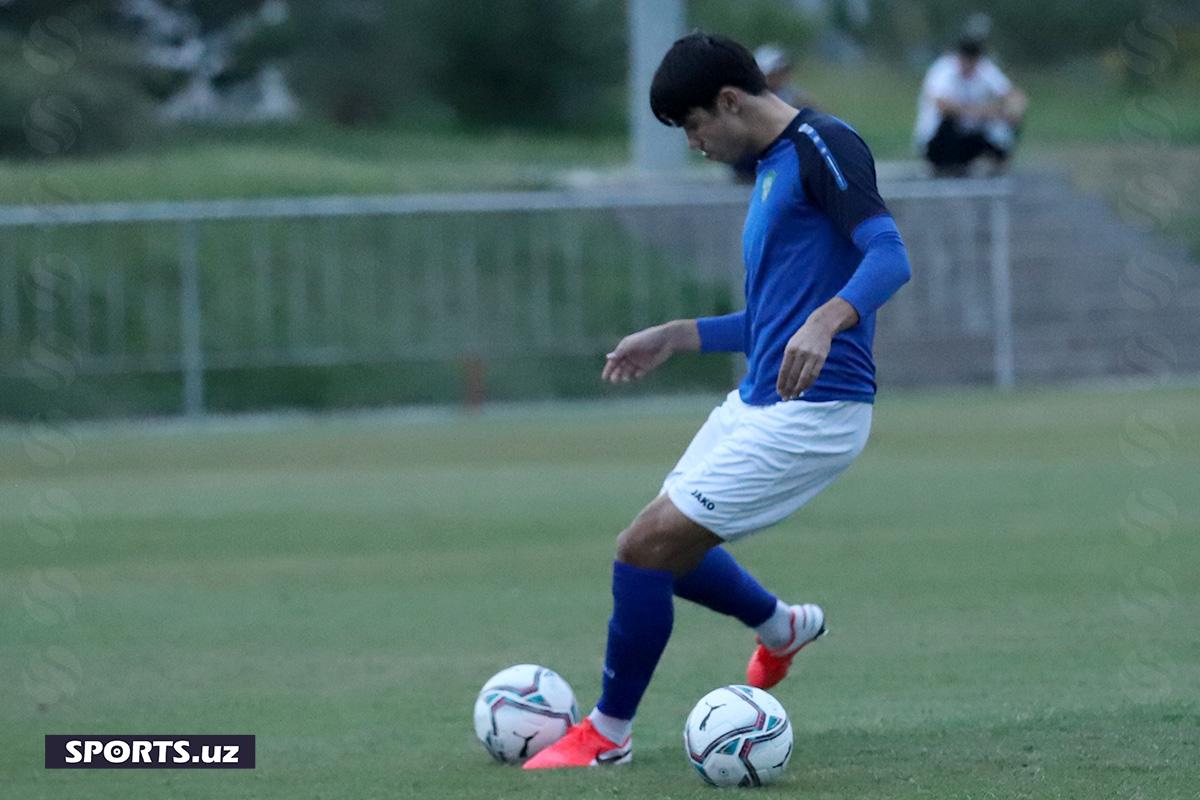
x=342 y=586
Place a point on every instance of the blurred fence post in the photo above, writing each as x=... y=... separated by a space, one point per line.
x=1002 y=311
x=191 y=345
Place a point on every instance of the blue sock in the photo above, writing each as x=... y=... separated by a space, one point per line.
x=637 y=635
x=721 y=584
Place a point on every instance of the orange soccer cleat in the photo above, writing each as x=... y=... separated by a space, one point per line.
x=768 y=667
x=583 y=746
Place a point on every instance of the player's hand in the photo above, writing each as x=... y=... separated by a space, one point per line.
x=638 y=353
x=803 y=359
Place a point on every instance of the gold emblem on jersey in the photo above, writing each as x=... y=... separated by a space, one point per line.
x=767 y=182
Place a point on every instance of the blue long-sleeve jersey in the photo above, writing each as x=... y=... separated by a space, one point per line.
x=816 y=228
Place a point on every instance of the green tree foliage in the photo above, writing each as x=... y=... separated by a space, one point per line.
x=754 y=22
x=541 y=63
x=513 y=63
x=71 y=83
x=363 y=62
x=77 y=78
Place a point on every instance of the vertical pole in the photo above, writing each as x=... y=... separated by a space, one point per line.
x=639 y=272
x=44 y=301
x=474 y=382
x=189 y=320
x=83 y=309
x=476 y=333
x=404 y=300
x=505 y=295
x=296 y=281
x=1002 y=311
x=332 y=327
x=435 y=264
x=575 y=328
x=10 y=276
x=653 y=26
x=539 y=262
x=264 y=312
x=114 y=300
x=363 y=286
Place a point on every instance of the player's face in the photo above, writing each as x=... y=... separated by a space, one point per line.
x=715 y=134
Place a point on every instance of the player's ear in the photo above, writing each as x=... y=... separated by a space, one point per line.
x=729 y=100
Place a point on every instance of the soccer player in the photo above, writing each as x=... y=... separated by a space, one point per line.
x=822 y=253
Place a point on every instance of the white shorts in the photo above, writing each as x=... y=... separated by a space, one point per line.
x=749 y=467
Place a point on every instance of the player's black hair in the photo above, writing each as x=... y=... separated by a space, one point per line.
x=970 y=46
x=695 y=69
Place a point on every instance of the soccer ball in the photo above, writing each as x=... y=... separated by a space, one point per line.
x=738 y=736
x=523 y=709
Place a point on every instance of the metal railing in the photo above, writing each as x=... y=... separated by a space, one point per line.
x=191 y=287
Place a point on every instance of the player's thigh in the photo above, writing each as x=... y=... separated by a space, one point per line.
x=771 y=465
x=720 y=423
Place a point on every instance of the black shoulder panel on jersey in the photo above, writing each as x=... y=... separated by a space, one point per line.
x=837 y=171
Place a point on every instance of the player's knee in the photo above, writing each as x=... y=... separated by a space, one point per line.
x=651 y=541
x=644 y=543
x=637 y=547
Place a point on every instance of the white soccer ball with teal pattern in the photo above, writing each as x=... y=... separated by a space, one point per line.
x=738 y=736
x=522 y=710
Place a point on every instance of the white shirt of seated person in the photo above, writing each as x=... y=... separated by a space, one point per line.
x=945 y=80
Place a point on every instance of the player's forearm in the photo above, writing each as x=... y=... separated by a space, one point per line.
x=834 y=317
x=683 y=334
x=884 y=267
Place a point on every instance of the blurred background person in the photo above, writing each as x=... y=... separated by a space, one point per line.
x=968 y=108
x=776 y=66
